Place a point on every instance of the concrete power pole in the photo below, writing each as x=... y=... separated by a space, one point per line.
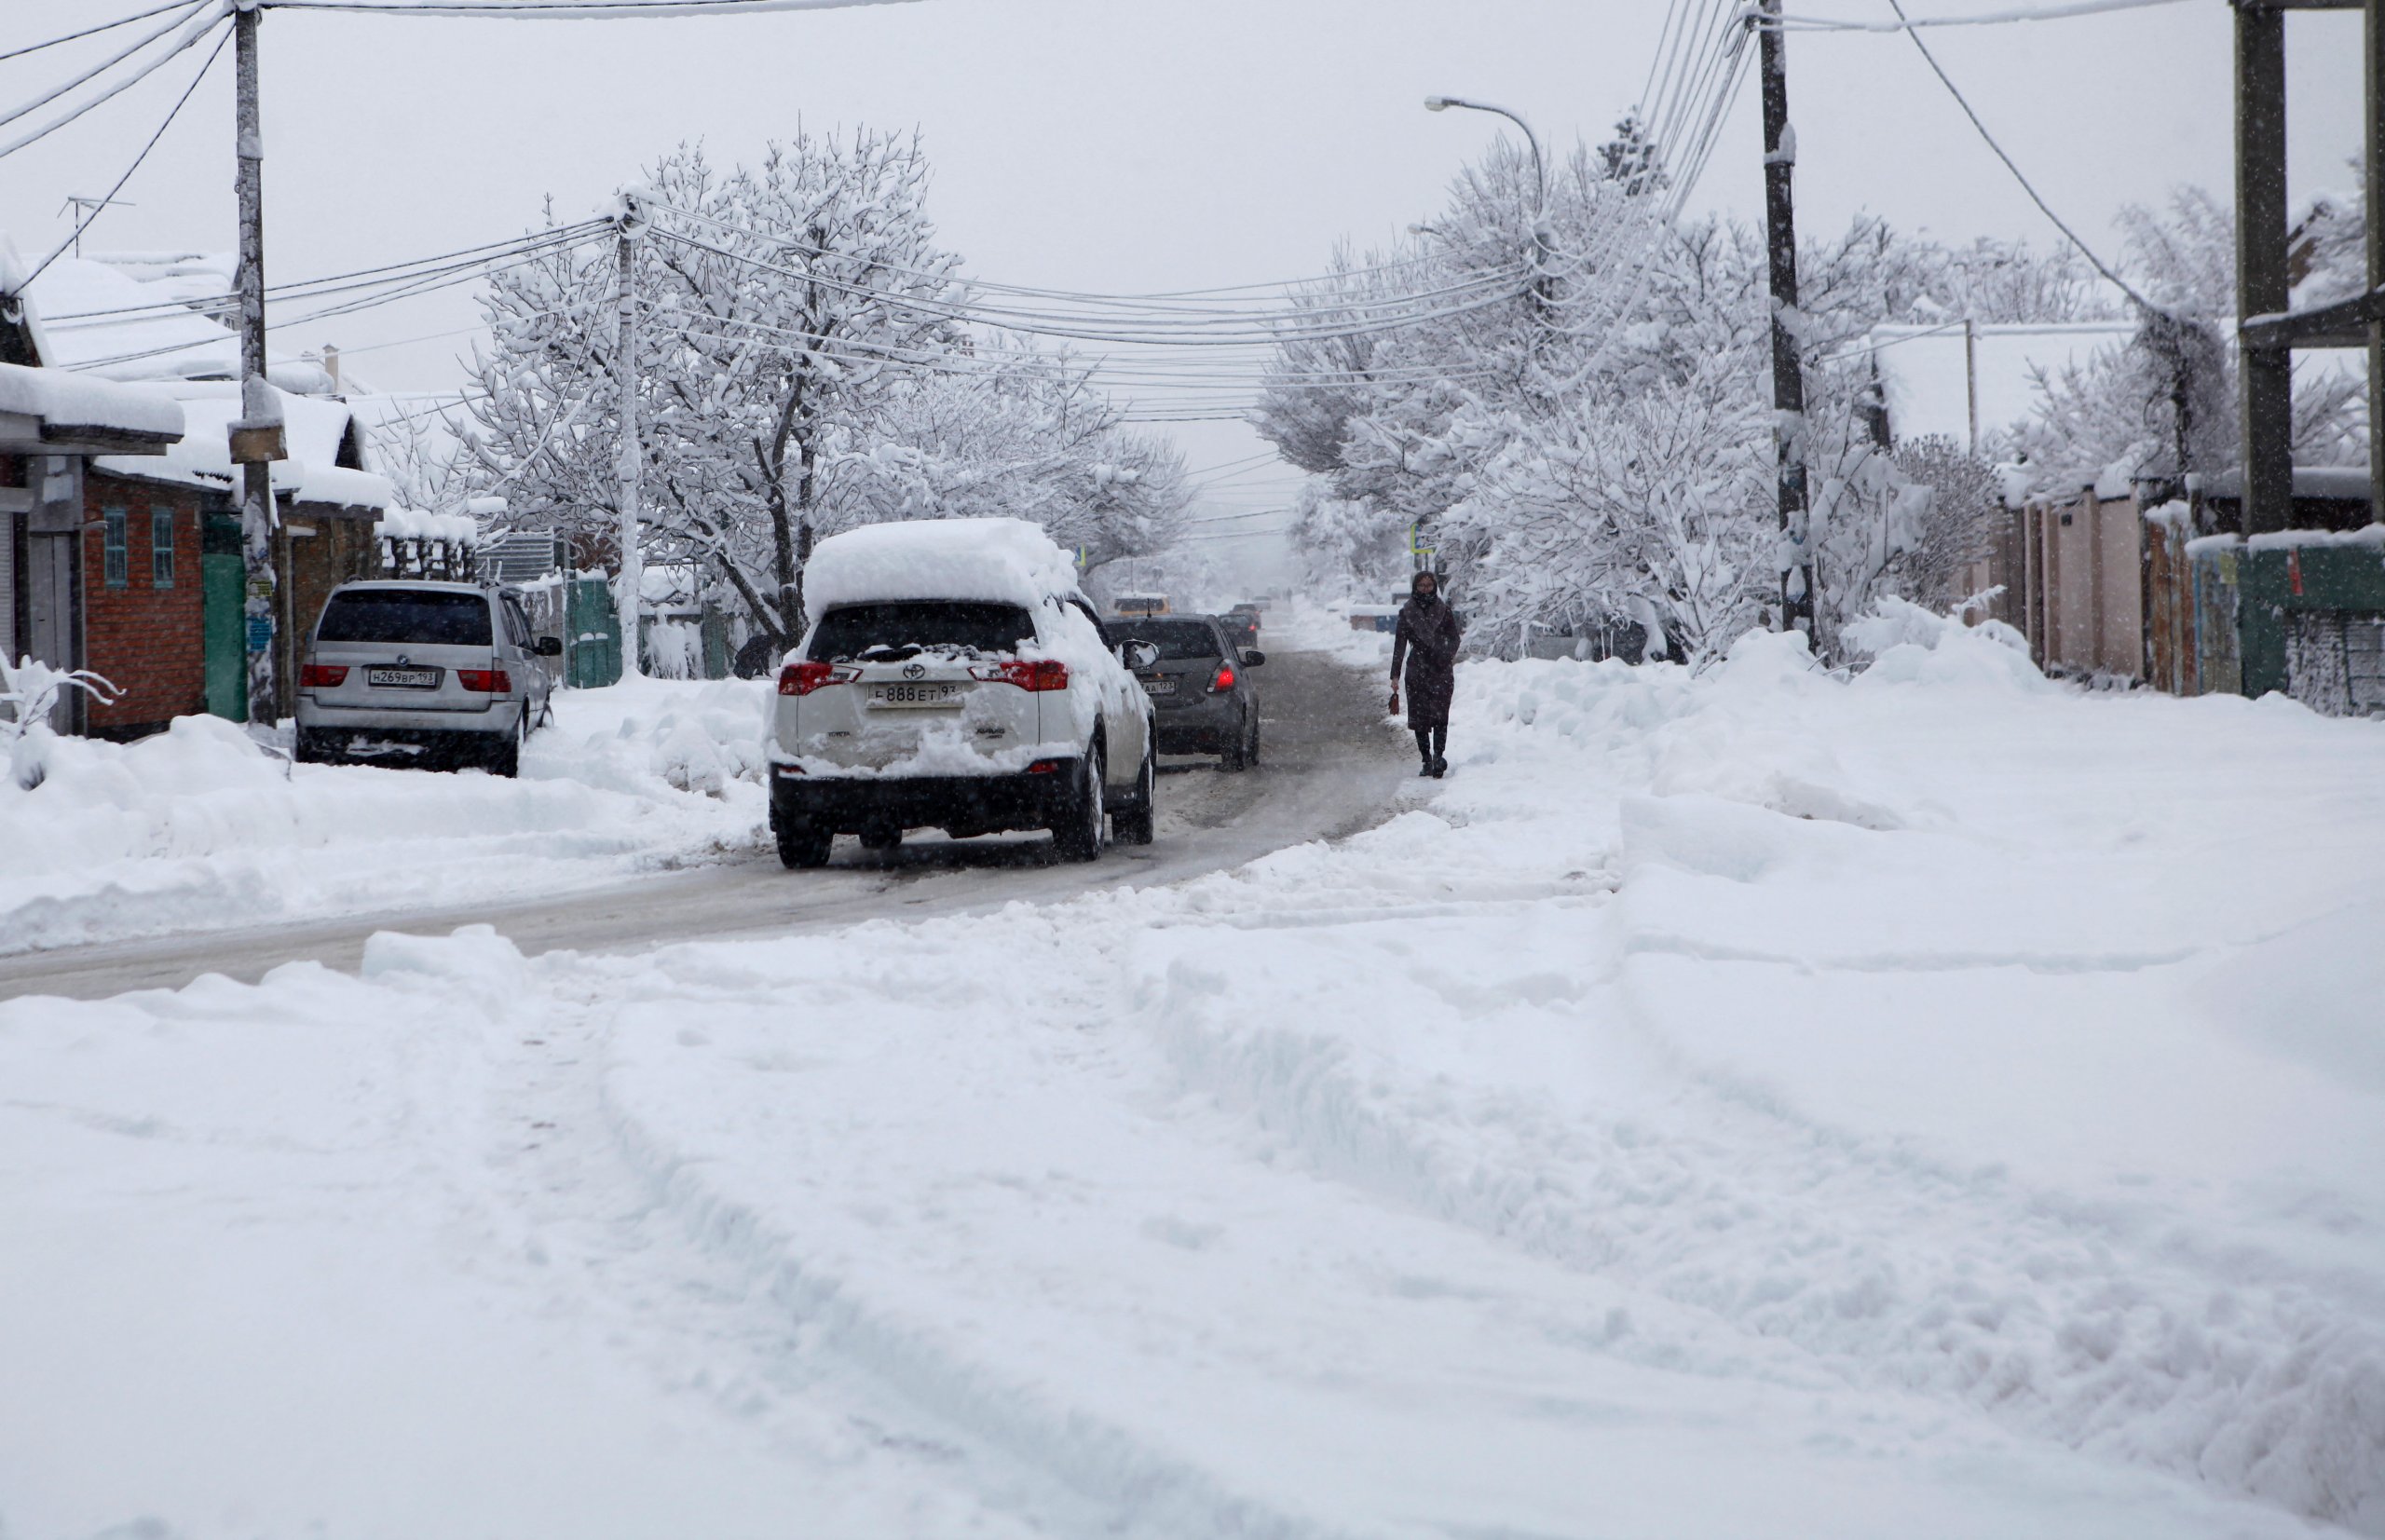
x=257 y=433
x=633 y=454
x=1789 y=438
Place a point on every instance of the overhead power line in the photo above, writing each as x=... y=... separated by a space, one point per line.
x=1985 y=19
x=195 y=31
x=569 y=10
x=95 y=30
x=2043 y=207
x=175 y=111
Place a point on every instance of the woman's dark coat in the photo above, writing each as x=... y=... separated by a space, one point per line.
x=1427 y=638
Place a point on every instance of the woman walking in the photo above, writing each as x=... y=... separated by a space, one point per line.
x=1426 y=642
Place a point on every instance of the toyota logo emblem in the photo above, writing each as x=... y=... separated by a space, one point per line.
x=915 y=671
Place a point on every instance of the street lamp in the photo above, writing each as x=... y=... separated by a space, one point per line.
x=1539 y=175
x=1540 y=232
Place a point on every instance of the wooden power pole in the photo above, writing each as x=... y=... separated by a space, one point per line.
x=1788 y=437
x=257 y=439
x=2267 y=332
x=631 y=464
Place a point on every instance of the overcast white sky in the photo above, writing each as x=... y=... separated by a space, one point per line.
x=1121 y=145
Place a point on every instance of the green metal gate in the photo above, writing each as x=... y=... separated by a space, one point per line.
x=223 y=581
x=591 y=635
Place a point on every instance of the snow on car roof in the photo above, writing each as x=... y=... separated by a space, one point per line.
x=1002 y=561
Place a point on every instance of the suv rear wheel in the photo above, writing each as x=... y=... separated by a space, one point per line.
x=1133 y=824
x=505 y=753
x=802 y=846
x=1079 y=833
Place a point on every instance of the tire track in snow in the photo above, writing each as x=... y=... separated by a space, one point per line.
x=2112 y=1333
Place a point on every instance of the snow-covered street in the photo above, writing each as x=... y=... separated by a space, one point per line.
x=1764 y=1103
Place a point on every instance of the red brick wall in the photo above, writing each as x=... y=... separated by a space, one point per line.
x=149 y=642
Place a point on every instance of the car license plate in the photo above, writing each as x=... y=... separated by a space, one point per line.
x=1159 y=684
x=402 y=678
x=934 y=693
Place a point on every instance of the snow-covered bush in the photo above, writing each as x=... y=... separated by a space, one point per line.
x=1657 y=512
x=29 y=690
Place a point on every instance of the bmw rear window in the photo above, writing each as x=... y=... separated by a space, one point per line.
x=900 y=628
x=1178 y=641
x=406 y=615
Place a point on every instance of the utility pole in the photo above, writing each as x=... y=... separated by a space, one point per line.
x=2265 y=371
x=256 y=434
x=2373 y=45
x=632 y=454
x=1788 y=437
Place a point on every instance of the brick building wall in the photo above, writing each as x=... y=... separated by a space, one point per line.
x=143 y=603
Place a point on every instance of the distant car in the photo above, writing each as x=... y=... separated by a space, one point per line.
x=1202 y=694
x=953 y=678
x=442 y=676
x=1242 y=624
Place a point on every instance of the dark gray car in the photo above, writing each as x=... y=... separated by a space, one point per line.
x=1202 y=700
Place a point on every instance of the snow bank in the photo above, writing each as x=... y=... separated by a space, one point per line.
x=1001 y=560
x=1945 y=1103
x=199 y=828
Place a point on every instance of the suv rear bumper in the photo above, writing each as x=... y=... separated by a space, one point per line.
x=416 y=748
x=960 y=804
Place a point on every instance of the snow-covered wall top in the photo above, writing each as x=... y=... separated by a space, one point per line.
x=412 y=523
x=1004 y=561
x=61 y=399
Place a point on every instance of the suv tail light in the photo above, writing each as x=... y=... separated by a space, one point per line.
x=322 y=676
x=1223 y=681
x=484 y=681
x=803 y=679
x=1034 y=673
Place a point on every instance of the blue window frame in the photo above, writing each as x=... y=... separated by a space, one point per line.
x=117 y=562
x=161 y=547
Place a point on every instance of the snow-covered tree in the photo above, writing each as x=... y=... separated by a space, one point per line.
x=804 y=365
x=2163 y=406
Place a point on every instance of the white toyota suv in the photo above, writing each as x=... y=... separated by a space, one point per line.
x=954 y=677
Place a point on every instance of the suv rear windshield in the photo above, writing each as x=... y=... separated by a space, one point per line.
x=1178 y=641
x=915 y=625
x=405 y=615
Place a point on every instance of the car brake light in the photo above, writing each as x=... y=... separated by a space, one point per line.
x=1032 y=674
x=803 y=679
x=322 y=676
x=484 y=681
x=1044 y=767
x=1224 y=681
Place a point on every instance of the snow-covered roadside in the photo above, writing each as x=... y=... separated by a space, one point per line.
x=198 y=829
x=1761 y=1104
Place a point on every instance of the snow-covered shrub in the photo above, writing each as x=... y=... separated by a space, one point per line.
x=1657 y=512
x=29 y=690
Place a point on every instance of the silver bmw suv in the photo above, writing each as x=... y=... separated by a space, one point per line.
x=442 y=675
